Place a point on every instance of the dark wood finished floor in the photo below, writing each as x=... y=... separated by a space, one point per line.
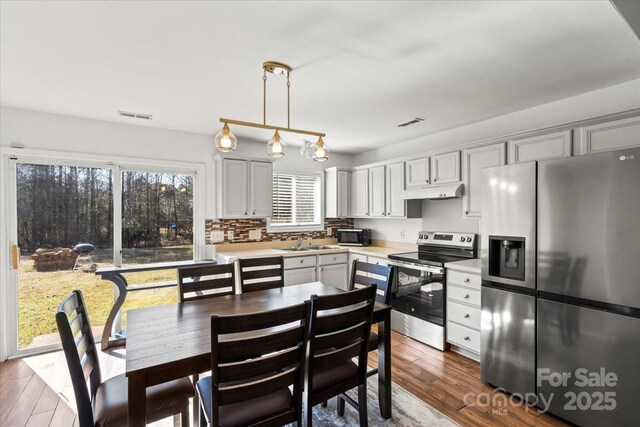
x=36 y=393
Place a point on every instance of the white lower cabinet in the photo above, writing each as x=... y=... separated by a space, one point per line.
x=299 y=276
x=354 y=257
x=334 y=275
x=329 y=268
x=463 y=311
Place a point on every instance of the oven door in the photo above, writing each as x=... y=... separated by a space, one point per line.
x=419 y=291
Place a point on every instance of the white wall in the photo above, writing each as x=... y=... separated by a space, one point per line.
x=391 y=229
x=44 y=131
x=613 y=99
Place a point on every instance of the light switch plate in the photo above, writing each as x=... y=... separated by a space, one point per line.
x=230 y=235
x=329 y=231
x=217 y=236
x=255 y=234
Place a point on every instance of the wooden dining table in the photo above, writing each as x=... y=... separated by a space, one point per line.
x=172 y=341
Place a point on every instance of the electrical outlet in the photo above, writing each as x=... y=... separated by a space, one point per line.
x=329 y=231
x=230 y=235
x=217 y=236
x=255 y=234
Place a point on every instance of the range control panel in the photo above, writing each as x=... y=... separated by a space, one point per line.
x=459 y=240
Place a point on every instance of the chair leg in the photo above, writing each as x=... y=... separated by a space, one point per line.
x=362 y=405
x=203 y=420
x=185 y=416
x=196 y=401
x=308 y=415
x=340 y=406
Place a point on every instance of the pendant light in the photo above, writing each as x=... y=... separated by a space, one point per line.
x=276 y=146
x=320 y=152
x=226 y=141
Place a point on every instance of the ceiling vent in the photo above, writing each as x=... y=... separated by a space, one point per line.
x=411 y=122
x=135 y=115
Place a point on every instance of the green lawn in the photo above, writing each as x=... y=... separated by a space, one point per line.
x=40 y=293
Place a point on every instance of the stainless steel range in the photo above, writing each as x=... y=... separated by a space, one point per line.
x=418 y=294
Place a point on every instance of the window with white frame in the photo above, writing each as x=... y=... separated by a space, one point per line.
x=297 y=200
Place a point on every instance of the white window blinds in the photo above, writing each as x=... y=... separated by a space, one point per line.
x=296 y=199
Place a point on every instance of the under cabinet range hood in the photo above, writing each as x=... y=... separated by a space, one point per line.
x=434 y=193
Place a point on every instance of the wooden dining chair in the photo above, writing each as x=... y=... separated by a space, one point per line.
x=364 y=274
x=105 y=403
x=252 y=367
x=206 y=281
x=339 y=328
x=259 y=274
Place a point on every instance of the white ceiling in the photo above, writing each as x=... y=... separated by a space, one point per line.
x=360 y=68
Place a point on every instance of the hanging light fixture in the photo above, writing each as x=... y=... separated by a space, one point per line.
x=320 y=152
x=226 y=141
x=276 y=146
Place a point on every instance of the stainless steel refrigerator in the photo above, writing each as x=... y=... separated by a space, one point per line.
x=560 y=256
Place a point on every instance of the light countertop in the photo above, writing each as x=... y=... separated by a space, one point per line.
x=375 y=251
x=468 y=265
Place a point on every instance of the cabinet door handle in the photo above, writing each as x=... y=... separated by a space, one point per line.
x=467 y=338
x=466 y=316
x=466 y=212
x=254 y=212
x=467 y=280
x=301 y=261
x=434 y=180
x=245 y=212
x=426 y=180
x=466 y=296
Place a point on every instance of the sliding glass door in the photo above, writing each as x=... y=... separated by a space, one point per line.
x=59 y=208
x=69 y=219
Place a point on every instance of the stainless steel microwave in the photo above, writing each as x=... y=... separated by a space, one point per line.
x=354 y=236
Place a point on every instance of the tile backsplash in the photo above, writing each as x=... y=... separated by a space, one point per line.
x=241 y=228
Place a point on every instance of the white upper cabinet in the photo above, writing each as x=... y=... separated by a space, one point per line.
x=337 y=184
x=360 y=192
x=235 y=189
x=542 y=147
x=474 y=160
x=243 y=188
x=613 y=135
x=445 y=168
x=395 y=185
x=418 y=172
x=261 y=182
x=377 y=204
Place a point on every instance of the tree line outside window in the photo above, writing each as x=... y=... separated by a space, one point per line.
x=61 y=206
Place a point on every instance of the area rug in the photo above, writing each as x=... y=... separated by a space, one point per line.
x=407 y=410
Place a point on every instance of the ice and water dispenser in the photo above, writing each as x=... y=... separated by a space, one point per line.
x=506 y=257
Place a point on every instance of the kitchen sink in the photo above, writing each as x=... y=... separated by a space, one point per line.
x=306 y=248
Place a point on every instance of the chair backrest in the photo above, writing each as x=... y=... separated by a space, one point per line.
x=265 y=355
x=339 y=329
x=81 y=353
x=365 y=274
x=206 y=281
x=258 y=274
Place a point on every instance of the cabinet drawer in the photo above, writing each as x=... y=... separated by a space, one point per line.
x=333 y=258
x=464 y=337
x=468 y=296
x=463 y=314
x=299 y=262
x=379 y=261
x=464 y=279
